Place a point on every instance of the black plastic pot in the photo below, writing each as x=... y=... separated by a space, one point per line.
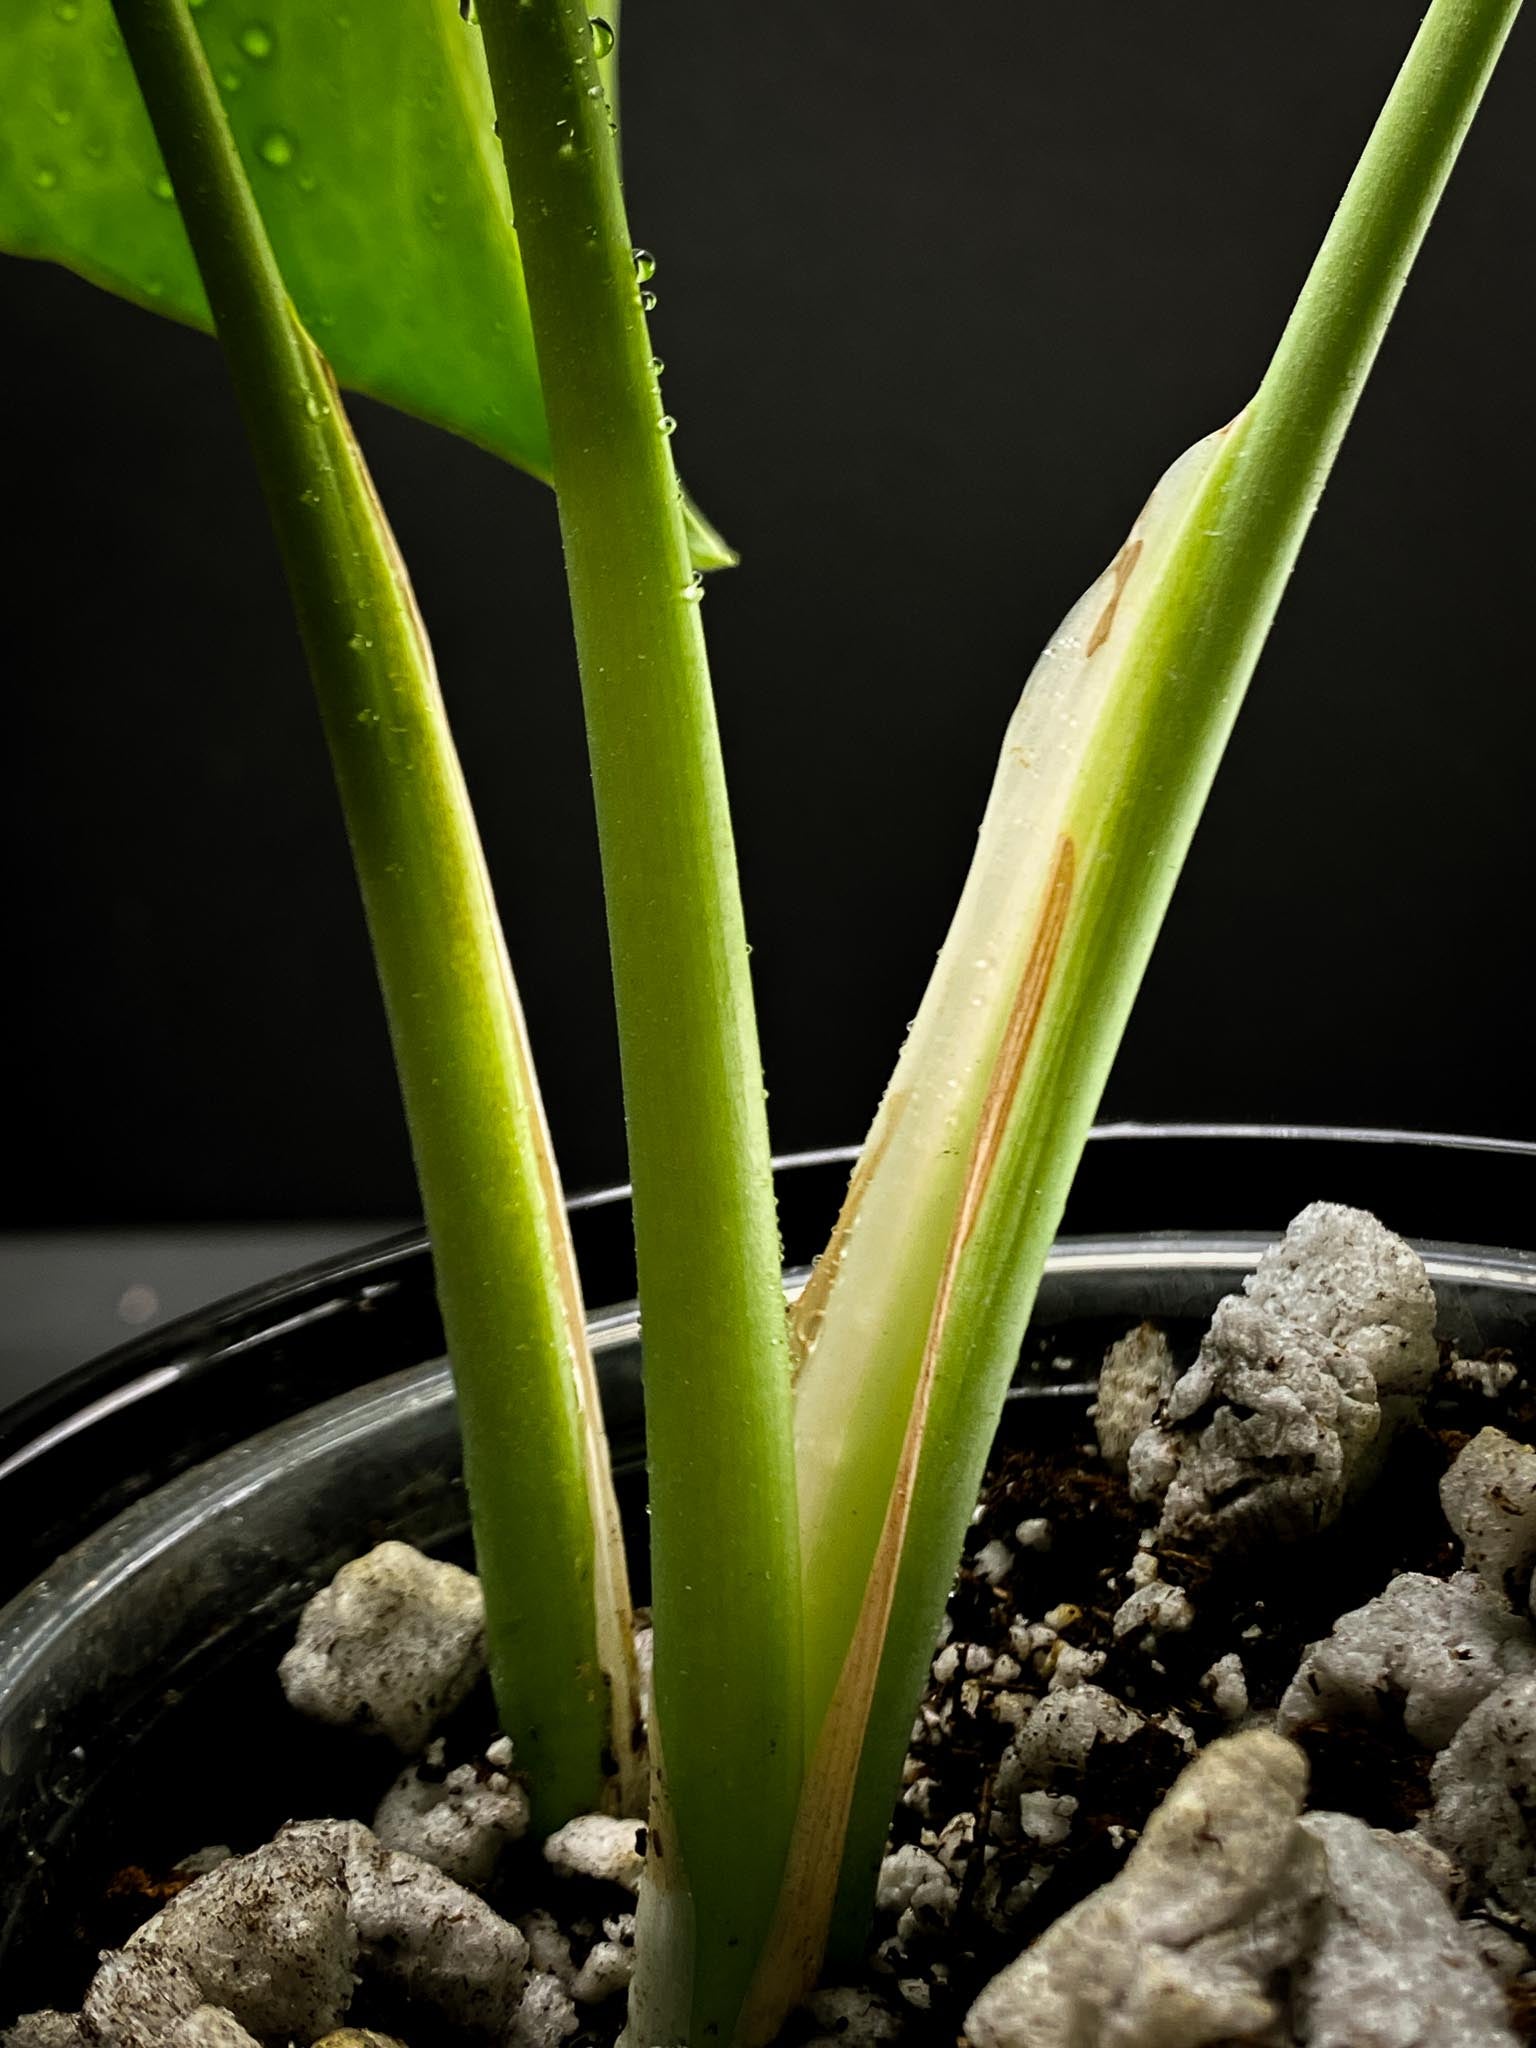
x=206 y=1480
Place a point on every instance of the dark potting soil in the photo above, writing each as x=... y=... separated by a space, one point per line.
x=1265 y=1606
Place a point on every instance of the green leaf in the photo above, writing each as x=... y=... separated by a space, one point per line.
x=367 y=135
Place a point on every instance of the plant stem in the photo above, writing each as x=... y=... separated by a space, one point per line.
x=1203 y=602
x=545 y=1525
x=723 y=1517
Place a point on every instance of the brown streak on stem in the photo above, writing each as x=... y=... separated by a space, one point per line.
x=1018 y=1035
x=1120 y=569
x=792 y=1956
x=809 y=1310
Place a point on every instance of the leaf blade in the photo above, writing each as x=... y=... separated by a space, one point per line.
x=393 y=236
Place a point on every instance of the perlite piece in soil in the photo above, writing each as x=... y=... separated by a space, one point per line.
x=268 y=1937
x=1189 y=1943
x=1298 y=1383
x=359 y=2037
x=44 y=2030
x=547 y=2015
x=459 y=1822
x=1057 y=1741
x=1426 y=1649
x=392 y=1645
x=1484 y=1815
x=1489 y=1498
x=279 y=1939
x=1389 y=1963
x=1156 y=1609
x=1136 y=1378
x=608 y=1967
x=209 y=2027
x=600 y=1846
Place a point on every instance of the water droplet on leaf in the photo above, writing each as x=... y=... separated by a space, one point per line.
x=657 y=366
x=162 y=187
x=667 y=424
x=276 y=148
x=66 y=11
x=602 y=36
x=648 y=300
x=257 y=41
x=229 y=78
x=693 y=589
x=645 y=265
x=46 y=177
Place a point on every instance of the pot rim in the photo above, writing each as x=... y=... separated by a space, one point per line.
x=102 y=1387
x=90 y=1572
x=82 y=1447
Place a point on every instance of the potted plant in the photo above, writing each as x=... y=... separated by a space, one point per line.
x=800 y=1561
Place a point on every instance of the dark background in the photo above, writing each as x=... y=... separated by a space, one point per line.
x=941 y=292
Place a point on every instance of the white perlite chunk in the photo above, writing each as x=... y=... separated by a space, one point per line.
x=546 y=2017
x=459 y=1822
x=1056 y=1741
x=1227 y=1684
x=435 y=1942
x=597 y=1845
x=1187 y=1945
x=279 y=1938
x=1072 y=1667
x=1045 y=1818
x=359 y=2037
x=268 y=1937
x=1390 y=1965
x=1435 y=1646
x=549 y=1946
x=607 y=1969
x=1136 y=1378
x=1331 y=1337
x=1158 y=1609
x=44 y=2030
x=912 y=1881
x=138 y=1995
x=1489 y=1498
x=210 y=2027
x=1486 y=1376
x=392 y=1645
x=1484 y=1815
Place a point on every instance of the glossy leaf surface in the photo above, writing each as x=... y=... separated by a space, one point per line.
x=366 y=132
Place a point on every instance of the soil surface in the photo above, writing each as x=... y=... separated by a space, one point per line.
x=1265 y=1608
